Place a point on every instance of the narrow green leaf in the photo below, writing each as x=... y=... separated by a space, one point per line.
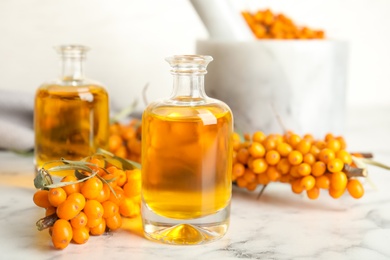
x=67 y=167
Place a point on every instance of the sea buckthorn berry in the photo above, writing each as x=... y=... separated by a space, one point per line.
x=259 y=165
x=241 y=182
x=273 y=174
x=111 y=179
x=323 y=182
x=318 y=168
x=296 y=186
x=71 y=188
x=80 y=235
x=62 y=234
x=99 y=165
x=334 y=145
x=238 y=169
x=343 y=144
x=313 y=194
x=129 y=208
x=338 y=180
x=242 y=155
x=294 y=171
x=134 y=175
x=114 y=142
x=314 y=150
x=41 y=199
x=251 y=186
x=328 y=137
x=114 y=222
x=258 y=137
x=320 y=144
x=121 y=178
x=355 y=188
x=99 y=229
x=247 y=137
x=234 y=157
x=111 y=169
x=56 y=196
x=50 y=211
x=263 y=179
x=326 y=155
x=269 y=144
x=78 y=198
x=286 y=178
x=79 y=221
x=308 y=182
x=293 y=140
x=249 y=176
x=91 y=188
x=133 y=188
x=93 y=209
x=295 y=157
x=68 y=209
x=303 y=146
x=304 y=169
x=272 y=157
x=334 y=193
x=257 y=150
x=93 y=222
x=335 y=165
x=309 y=158
x=283 y=166
x=110 y=209
x=344 y=156
x=118 y=197
x=283 y=149
x=236 y=141
x=104 y=194
x=309 y=137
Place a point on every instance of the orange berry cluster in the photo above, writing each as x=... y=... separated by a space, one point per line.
x=267 y=25
x=90 y=207
x=305 y=163
x=125 y=140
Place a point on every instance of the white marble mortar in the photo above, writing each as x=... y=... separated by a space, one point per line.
x=303 y=80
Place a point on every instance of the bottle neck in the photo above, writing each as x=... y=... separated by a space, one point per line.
x=72 y=59
x=188 y=88
x=72 y=68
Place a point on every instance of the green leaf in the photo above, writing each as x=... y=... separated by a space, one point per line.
x=42 y=179
x=375 y=163
x=67 y=167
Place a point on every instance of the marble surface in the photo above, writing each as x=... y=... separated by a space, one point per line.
x=279 y=225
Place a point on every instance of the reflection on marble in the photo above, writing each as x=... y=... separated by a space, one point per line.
x=279 y=225
x=304 y=82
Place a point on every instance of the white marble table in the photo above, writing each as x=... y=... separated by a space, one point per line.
x=280 y=225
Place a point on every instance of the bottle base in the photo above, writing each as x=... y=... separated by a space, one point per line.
x=185 y=231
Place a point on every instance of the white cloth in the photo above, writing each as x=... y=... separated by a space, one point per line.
x=16 y=120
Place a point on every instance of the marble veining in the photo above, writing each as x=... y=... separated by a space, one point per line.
x=278 y=225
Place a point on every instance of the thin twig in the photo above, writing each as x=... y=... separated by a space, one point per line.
x=144 y=98
x=261 y=191
x=278 y=118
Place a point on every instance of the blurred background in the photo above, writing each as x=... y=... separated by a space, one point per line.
x=129 y=40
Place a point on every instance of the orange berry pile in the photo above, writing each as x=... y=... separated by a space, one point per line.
x=308 y=165
x=125 y=140
x=92 y=206
x=267 y=25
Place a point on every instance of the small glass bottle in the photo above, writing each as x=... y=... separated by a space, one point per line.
x=186 y=160
x=71 y=114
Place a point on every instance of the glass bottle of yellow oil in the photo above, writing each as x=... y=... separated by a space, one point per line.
x=186 y=160
x=71 y=114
